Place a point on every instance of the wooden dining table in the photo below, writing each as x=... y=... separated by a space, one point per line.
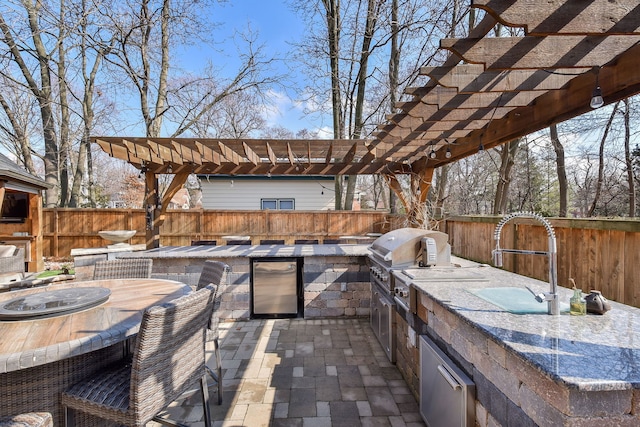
x=42 y=356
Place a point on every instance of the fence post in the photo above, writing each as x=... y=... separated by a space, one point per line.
x=55 y=233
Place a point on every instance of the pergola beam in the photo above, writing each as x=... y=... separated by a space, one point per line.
x=548 y=17
x=509 y=53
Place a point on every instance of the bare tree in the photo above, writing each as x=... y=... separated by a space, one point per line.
x=635 y=164
x=18 y=110
x=21 y=51
x=145 y=32
x=600 y=180
x=92 y=50
x=628 y=159
x=560 y=169
x=507 y=159
x=358 y=42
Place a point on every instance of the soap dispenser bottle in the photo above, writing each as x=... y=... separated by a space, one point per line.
x=577 y=304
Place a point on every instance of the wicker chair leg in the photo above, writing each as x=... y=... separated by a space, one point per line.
x=205 y=401
x=68 y=417
x=217 y=374
x=218 y=370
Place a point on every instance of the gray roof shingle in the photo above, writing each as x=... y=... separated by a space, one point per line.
x=10 y=171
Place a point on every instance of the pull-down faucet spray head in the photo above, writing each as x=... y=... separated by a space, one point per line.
x=552 y=296
x=497 y=256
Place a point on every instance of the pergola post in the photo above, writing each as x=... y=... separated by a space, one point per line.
x=152 y=206
x=156 y=206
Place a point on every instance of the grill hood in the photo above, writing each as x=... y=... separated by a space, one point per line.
x=399 y=247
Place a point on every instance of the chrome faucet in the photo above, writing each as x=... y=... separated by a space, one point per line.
x=552 y=296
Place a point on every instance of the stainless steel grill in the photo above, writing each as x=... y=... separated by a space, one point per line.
x=396 y=250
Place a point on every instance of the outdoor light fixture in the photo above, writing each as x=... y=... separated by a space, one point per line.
x=596 y=98
x=448 y=153
x=432 y=153
x=169 y=168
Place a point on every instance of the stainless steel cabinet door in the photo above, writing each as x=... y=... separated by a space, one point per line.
x=275 y=287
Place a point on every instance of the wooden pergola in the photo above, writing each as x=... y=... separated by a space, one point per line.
x=505 y=88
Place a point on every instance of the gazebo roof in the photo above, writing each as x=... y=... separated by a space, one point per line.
x=507 y=87
x=18 y=178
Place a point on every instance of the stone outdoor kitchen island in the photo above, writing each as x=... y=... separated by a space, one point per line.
x=528 y=369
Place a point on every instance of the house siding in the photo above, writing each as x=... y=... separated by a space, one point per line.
x=246 y=193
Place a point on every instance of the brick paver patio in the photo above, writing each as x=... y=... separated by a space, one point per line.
x=307 y=373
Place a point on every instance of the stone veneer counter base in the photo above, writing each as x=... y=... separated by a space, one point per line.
x=537 y=369
x=335 y=276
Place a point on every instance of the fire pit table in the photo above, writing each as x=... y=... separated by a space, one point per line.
x=43 y=355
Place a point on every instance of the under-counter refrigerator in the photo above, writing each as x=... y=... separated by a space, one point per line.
x=276 y=287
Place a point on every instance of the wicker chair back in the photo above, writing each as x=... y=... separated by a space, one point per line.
x=168 y=358
x=214 y=272
x=169 y=354
x=126 y=268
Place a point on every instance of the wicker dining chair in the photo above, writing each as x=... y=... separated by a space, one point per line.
x=125 y=268
x=29 y=419
x=214 y=273
x=168 y=359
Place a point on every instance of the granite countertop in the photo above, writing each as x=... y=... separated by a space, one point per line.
x=252 y=251
x=588 y=353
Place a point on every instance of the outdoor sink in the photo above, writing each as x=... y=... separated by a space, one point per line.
x=515 y=300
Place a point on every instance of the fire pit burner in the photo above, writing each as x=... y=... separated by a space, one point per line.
x=52 y=303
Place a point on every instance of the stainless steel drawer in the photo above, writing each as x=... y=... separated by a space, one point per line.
x=447 y=395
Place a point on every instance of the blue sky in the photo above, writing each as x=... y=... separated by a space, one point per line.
x=277 y=26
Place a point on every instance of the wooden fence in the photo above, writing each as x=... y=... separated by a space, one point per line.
x=597 y=253
x=65 y=229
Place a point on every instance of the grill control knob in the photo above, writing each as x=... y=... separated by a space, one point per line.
x=402 y=292
x=384 y=277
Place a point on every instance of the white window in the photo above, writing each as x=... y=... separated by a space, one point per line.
x=286 y=204
x=281 y=204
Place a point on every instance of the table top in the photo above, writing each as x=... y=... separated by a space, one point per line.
x=28 y=343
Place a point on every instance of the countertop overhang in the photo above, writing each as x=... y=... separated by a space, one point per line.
x=252 y=251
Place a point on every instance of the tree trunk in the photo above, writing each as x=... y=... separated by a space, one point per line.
x=42 y=92
x=84 y=168
x=507 y=158
x=65 y=142
x=161 y=98
x=20 y=139
x=599 y=183
x=361 y=85
x=394 y=70
x=628 y=160
x=332 y=9
x=561 y=169
x=443 y=181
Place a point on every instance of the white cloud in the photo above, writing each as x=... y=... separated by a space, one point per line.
x=277 y=109
x=325 y=132
x=295 y=115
